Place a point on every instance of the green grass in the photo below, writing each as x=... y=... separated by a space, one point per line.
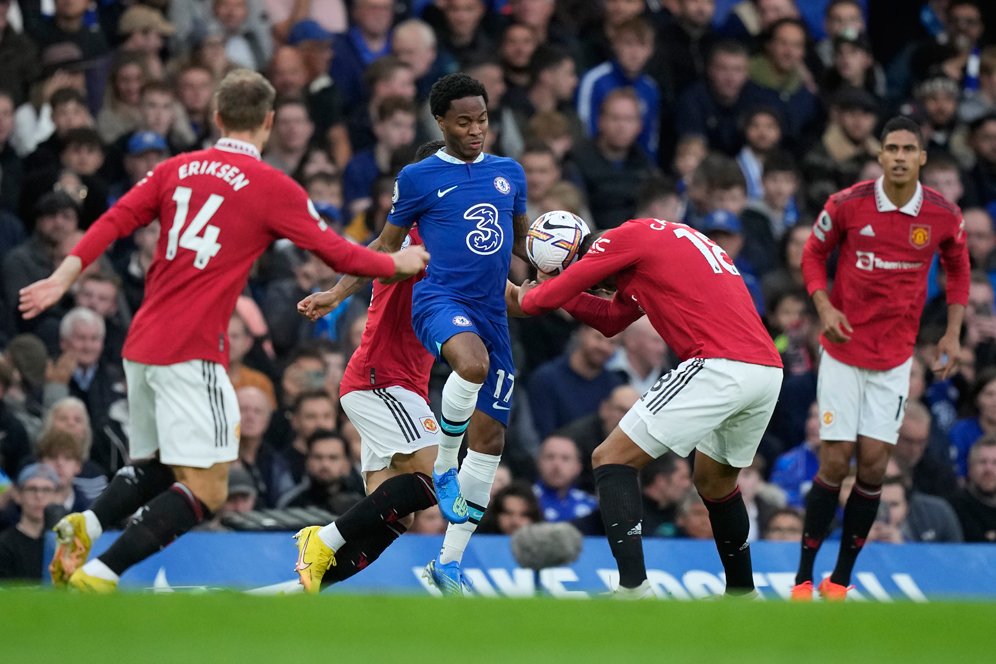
x=39 y=626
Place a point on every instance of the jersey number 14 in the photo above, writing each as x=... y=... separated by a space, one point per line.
x=199 y=236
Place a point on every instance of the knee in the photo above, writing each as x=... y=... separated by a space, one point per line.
x=603 y=456
x=835 y=468
x=872 y=472
x=492 y=442
x=473 y=369
x=213 y=497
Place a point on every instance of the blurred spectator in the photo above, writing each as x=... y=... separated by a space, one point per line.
x=572 y=385
x=18 y=58
x=588 y=432
x=907 y=516
x=982 y=101
x=923 y=473
x=56 y=220
x=394 y=127
x=712 y=108
x=724 y=228
x=240 y=342
x=976 y=503
x=195 y=89
x=61 y=67
x=612 y=164
x=553 y=81
x=329 y=480
x=781 y=68
x=659 y=199
x=137 y=264
x=511 y=508
x=853 y=65
x=791 y=329
x=642 y=357
x=665 y=481
x=269 y=470
x=980 y=182
x=937 y=102
x=542 y=170
x=368 y=39
x=684 y=44
x=941 y=172
x=68 y=111
x=849 y=138
x=144 y=151
x=22 y=545
x=794 y=470
x=460 y=33
x=245 y=46
x=748 y=19
x=967 y=430
x=784 y=525
x=292 y=133
x=980 y=319
x=386 y=77
x=32 y=390
x=60 y=451
x=284 y=14
x=788 y=275
x=414 y=43
x=69 y=415
x=505 y=136
x=242 y=492
x=11 y=176
x=431 y=522
x=692 y=517
x=762 y=137
x=767 y=218
x=143 y=30
x=559 y=467
x=310 y=275
x=313 y=410
x=762 y=499
x=842 y=20
x=596 y=34
x=68 y=24
x=950 y=51
x=517 y=47
x=632 y=46
x=121 y=113
x=14 y=446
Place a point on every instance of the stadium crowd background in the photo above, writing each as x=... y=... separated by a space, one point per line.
x=738 y=118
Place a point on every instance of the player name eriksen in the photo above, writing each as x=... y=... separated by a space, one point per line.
x=230 y=174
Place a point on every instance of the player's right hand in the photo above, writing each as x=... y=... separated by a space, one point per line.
x=318 y=305
x=408 y=262
x=836 y=327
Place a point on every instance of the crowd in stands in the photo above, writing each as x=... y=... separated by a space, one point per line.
x=736 y=117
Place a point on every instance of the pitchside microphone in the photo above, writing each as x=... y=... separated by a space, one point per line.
x=542 y=545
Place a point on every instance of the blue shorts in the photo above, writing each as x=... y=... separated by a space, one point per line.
x=437 y=318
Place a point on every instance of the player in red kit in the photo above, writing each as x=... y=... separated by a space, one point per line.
x=385 y=393
x=717 y=401
x=220 y=209
x=886 y=232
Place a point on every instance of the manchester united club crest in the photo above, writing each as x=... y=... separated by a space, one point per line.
x=919 y=235
x=429 y=424
x=827 y=417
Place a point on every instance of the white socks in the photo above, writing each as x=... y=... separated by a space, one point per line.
x=93 y=527
x=331 y=536
x=459 y=402
x=476 y=477
x=95 y=567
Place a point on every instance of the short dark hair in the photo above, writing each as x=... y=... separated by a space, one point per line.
x=545 y=57
x=902 y=123
x=727 y=46
x=662 y=465
x=390 y=105
x=635 y=28
x=833 y=4
x=85 y=136
x=326 y=434
x=780 y=161
x=428 y=149
x=773 y=29
x=382 y=69
x=451 y=87
x=538 y=147
x=654 y=188
x=157 y=87
x=310 y=395
x=941 y=161
x=64 y=96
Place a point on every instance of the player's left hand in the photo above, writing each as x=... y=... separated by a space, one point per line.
x=526 y=286
x=946 y=356
x=317 y=305
x=39 y=296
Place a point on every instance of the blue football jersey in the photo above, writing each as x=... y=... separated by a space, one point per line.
x=464 y=213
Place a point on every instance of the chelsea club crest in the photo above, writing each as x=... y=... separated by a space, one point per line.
x=502 y=185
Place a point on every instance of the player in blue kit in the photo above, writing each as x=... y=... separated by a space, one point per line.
x=471 y=213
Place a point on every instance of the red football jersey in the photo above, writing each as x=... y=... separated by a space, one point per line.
x=686 y=284
x=389 y=352
x=220 y=209
x=885 y=255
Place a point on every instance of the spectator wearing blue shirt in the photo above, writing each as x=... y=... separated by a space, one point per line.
x=355 y=49
x=794 y=470
x=633 y=44
x=559 y=466
x=572 y=385
x=724 y=228
x=966 y=431
x=394 y=128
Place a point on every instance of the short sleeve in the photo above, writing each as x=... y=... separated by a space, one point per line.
x=519 y=179
x=406 y=202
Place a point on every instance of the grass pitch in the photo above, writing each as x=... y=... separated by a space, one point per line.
x=45 y=626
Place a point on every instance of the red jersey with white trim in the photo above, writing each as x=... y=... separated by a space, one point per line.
x=885 y=255
x=686 y=285
x=389 y=352
x=219 y=208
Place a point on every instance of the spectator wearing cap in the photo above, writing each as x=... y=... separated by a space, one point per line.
x=14 y=445
x=22 y=545
x=368 y=39
x=724 y=228
x=781 y=67
x=853 y=64
x=849 y=139
x=284 y=14
x=937 y=105
x=242 y=492
x=301 y=69
x=56 y=220
x=144 y=151
x=68 y=24
x=18 y=59
x=144 y=31
x=62 y=66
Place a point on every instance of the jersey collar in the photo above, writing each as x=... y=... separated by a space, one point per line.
x=882 y=202
x=235 y=145
x=447 y=157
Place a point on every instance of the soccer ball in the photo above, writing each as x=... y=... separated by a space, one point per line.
x=554 y=240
